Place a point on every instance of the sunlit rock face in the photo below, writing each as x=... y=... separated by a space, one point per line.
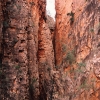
x=77 y=29
x=51 y=24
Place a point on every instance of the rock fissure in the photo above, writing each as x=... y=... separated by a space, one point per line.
x=43 y=59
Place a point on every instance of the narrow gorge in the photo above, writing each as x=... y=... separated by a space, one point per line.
x=43 y=59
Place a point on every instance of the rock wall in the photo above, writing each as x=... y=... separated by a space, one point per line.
x=45 y=56
x=44 y=60
x=77 y=47
x=17 y=61
x=1 y=19
x=27 y=50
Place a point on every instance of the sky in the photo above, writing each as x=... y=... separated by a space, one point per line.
x=50 y=8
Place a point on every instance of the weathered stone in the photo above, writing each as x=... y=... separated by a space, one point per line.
x=45 y=60
x=77 y=26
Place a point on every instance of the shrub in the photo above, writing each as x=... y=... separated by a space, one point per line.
x=70 y=57
x=64 y=48
x=83 y=82
x=92 y=30
x=17 y=67
x=72 y=17
x=81 y=64
x=5 y=24
x=33 y=80
x=32 y=3
x=48 y=69
x=57 y=67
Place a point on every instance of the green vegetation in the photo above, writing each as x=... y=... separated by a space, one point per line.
x=70 y=57
x=64 y=48
x=5 y=24
x=48 y=69
x=81 y=64
x=32 y=3
x=56 y=67
x=88 y=85
x=72 y=17
x=18 y=7
x=15 y=40
x=31 y=85
x=17 y=67
x=92 y=30
x=33 y=80
x=83 y=82
x=80 y=68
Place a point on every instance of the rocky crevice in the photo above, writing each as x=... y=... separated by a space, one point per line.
x=46 y=60
x=45 y=57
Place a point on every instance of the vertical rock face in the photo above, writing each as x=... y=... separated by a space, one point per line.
x=51 y=25
x=1 y=19
x=28 y=55
x=39 y=61
x=77 y=29
x=16 y=47
x=45 y=56
x=27 y=50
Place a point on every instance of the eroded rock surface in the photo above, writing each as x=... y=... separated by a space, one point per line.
x=77 y=52
x=26 y=44
x=46 y=60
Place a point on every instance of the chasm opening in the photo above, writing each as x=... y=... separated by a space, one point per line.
x=50 y=8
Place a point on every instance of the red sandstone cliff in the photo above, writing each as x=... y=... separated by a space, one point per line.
x=77 y=47
x=27 y=50
x=45 y=60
